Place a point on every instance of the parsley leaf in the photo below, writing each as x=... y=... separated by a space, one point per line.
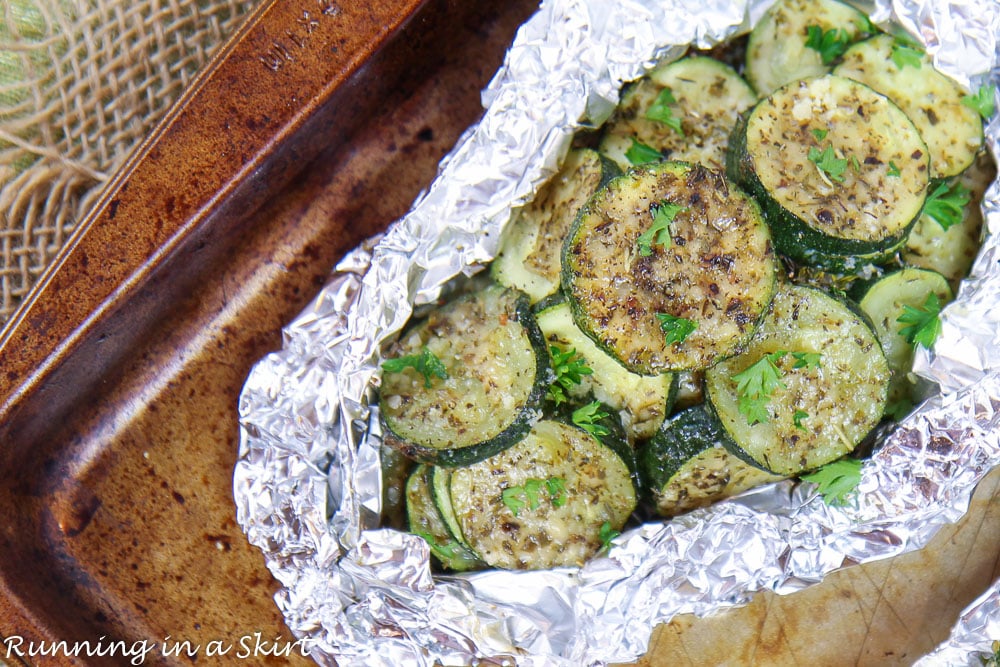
x=798 y=417
x=836 y=480
x=830 y=44
x=893 y=169
x=639 y=153
x=806 y=359
x=819 y=134
x=511 y=497
x=424 y=363
x=660 y=111
x=946 y=204
x=828 y=162
x=659 y=233
x=516 y=497
x=923 y=323
x=606 y=534
x=854 y=163
x=983 y=101
x=756 y=383
x=906 y=52
x=586 y=416
x=676 y=328
x=569 y=367
x=556 y=487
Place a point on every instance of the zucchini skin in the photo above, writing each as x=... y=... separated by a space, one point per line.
x=827 y=236
x=719 y=270
x=525 y=415
x=425 y=520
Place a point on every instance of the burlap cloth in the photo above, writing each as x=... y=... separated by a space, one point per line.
x=81 y=82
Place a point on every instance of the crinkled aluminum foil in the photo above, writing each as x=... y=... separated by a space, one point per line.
x=307 y=485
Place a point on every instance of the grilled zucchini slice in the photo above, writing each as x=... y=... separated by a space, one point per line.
x=663 y=297
x=885 y=302
x=426 y=521
x=685 y=110
x=838 y=169
x=686 y=465
x=543 y=502
x=952 y=131
x=831 y=383
x=496 y=373
x=776 y=51
x=531 y=245
x=642 y=401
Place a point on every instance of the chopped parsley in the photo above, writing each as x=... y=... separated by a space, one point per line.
x=639 y=153
x=756 y=383
x=660 y=111
x=425 y=363
x=946 y=204
x=854 y=163
x=586 y=417
x=606 y=534
x=819 y=134
x=798 y=417
x=906 y=53
x=659 y=232
x=830 y=44
x=983 y=101
x=516 y=497
x=893 y=169
x=923 y=323
x=807 y=359
x=677 y=329
x=828 y=162
x=569 y=367
x=836 y=480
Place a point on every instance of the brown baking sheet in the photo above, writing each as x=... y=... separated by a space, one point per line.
x=314 y=129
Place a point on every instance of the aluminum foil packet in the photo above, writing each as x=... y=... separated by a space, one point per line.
x=308 y=485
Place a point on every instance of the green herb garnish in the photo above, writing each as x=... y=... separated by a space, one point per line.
x=569 y=367
x=586 y=417
x=836 y=480
x=807 y=359
x=906 y=52
x=830 y=44
x=798 y=417
x=923 y=323
x=993 y=659
x=819 y=134
x=639 y=153
x=444 y=552
x=606 y=534
x=854 y=163
x=676 y=328
x=660 y=111
x=946 y=204
x=659 y=233
x=983 y=101
x=424 y=363
x=756 y=383
x=893 y=169
x=516 y=497
x=828 y=162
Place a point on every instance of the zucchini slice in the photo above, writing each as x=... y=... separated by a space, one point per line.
x=641 y=401
x=703 y=285
x=543 y=502
x=828 y=383
x=952 y=131
x=426 y=521
x=884 y=302
x=838 y=169
x=776 y=51
x=496 y=369
x=685 y=110
x=686 y=465
x=530 y=249
x=951 y=252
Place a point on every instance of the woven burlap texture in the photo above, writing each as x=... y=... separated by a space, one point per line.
x=80 y=84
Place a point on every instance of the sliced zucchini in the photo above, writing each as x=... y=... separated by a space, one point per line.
x=884 y=302
x=686 y=465
x=952 y=131
x=839 y=169
x=951 y=252
x=530 y=249
x=828 y=380
x=777 y=53
x=690 y=122
x=545 y=501
x=641 y=401
x=700 y=289
x=396 y=470
x=495 y=369
x=690 y=389
x=426 y=521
